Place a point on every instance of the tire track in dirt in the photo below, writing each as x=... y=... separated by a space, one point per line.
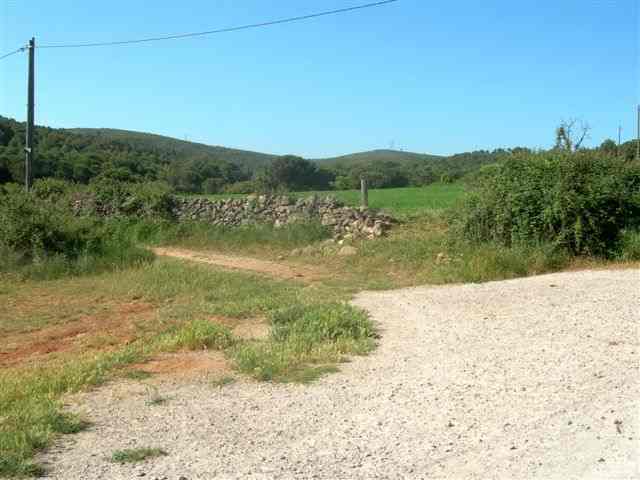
x=233 y=262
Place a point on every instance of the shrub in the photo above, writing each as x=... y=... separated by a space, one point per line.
x=579 y=202
x=51 y=189
x=41 y=238
x=35 y=227
x=112 y=197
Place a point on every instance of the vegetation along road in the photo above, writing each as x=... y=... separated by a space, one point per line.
x=461 y=305
x=527 y=378
x=244 y=346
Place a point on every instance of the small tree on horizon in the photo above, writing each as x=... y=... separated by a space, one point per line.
x=570 y=135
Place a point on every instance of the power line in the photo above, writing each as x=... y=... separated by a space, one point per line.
x=21 y=49
x=222 y=30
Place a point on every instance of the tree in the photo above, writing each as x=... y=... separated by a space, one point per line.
x=420 y=174
x=571 y=134
x=212 y=185
x=609 y=147
x=293 y=173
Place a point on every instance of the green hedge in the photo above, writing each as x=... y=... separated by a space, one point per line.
x=581 y=202
x=41 y=236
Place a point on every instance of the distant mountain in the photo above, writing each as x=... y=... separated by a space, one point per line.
x=179 y=148
x=376 y=156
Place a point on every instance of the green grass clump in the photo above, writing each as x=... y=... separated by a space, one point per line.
x=197 y=335
x=315 y=324
x=306 y=342
x=134 y=455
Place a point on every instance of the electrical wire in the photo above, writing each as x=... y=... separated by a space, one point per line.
x=21 y=49
x=221 y=30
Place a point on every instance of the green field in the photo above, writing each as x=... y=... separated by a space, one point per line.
x=402 y=202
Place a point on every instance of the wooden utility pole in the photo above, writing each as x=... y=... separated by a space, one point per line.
x=29 y=151
x=364 y=193
x=638 y=138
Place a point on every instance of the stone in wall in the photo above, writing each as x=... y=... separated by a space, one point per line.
x=345 y=222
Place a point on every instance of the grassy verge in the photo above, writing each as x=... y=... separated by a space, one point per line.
x=312 y=329
x=423 y=252
x=311 y=332
x=29 y=397
x=248 y=239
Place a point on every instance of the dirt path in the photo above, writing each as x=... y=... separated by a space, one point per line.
x=529 y=378
x=274 y=269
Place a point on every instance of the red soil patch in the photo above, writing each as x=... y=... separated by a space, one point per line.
x=184 y=364
x=98 y=331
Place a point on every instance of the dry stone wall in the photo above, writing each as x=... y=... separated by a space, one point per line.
x=345 y=222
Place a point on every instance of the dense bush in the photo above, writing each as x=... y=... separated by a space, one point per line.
x=581 y=202
x=40 y=237
x=106 y=196
x=35 y=226
x=52 y=189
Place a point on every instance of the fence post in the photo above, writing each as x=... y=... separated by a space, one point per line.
x=364 y=193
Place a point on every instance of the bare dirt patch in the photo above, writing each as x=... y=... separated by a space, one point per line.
x=184 y=365
x=274 y=269
x=115 y=325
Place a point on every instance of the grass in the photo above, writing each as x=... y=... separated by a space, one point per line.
x=402 y=202
x=306 y=341
x=134 y=455
x=117 y=250
x=201 y=335
x=423 y=252
x=313 y=330
x=222 y=381
x=630 y=246
x=246 y=239
x=137 y=375
x=31 y=413
x=187 y=300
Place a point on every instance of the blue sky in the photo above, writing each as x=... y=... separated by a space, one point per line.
x=432 y=76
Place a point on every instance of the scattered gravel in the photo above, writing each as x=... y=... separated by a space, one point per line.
x=529 y=378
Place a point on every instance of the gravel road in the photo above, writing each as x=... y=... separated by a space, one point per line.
x=528 y=378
